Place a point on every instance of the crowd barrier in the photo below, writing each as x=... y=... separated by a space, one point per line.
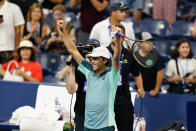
x=158 y=111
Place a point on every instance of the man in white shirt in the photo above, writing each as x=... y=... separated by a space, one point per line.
x=11 y=29
x=101 y=32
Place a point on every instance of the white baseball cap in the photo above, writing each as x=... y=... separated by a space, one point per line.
x=25 y=43
x=146 y=36
x=100 y=51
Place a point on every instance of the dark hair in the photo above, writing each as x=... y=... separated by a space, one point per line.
x=32 y=58
x=175 y=54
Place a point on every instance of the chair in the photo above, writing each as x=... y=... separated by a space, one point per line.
x=157 y=28
x=193 y=46
x=181 y=29
x=163 y=48
x=49 y=62
x=148 y=5
x=70 y=17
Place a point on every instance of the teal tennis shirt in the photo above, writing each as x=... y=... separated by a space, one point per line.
x=100 y=96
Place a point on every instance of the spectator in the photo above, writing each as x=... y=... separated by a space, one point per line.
x=181 y=69
x=165 y=10
x=50 y=4
x=11 y=29
x=135 y=7
x=24 y=5
x=152 y=77
x=194 y=29
x=92 y=11
x=35 y=30
x=28 y=68
x=117 y=15
x=55 y=43
x=123 y=106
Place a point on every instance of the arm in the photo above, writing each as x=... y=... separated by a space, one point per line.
x=100 y=6
x=139 y=83
x=194 y=31
x=71 y=47
x=27 y=77
x=159 y=79
x=74 y=3
x=18 y=34
x=2 y=71
x=117 y=51
x=63 y=72
x=43 y=35
x=71 y=84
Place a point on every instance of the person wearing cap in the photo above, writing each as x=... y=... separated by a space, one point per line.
x=123 y=106
x=102 y=81
x=117 y=14
x=76 y=82
x=29 y=69
x=152 y=77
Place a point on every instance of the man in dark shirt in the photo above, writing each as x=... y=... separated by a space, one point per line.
x=123 y=107
x=92 y=11
x=152 y=77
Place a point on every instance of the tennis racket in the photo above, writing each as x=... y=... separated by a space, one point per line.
x=143 y=51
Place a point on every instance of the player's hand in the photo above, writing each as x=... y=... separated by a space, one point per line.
x=153 y=92
x=141 y=92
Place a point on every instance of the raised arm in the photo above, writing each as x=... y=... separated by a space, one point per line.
x=100 y=6
x=71 y=47
x=117 y=50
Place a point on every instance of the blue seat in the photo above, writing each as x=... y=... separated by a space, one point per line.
x=70 y=17
x=49 y=19
x=181 y=29
x=49 y=62
x=157 y=28
x=132 y=20
x=148 y=5
x=163 y=48
x=193 y=46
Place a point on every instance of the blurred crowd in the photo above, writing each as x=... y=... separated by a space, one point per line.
x=28 y=31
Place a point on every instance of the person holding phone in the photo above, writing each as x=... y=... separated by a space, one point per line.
x=11 y=29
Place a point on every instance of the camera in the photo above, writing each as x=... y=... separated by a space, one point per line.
x=84 y=50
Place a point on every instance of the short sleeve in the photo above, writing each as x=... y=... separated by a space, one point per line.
x=18 y=16
x=170 y=68
x=85 y=67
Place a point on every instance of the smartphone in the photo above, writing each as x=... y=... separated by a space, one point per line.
x=1 y=16
x=187 y=74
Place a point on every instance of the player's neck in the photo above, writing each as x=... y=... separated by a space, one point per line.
x=113 y=21
x=98 y=72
